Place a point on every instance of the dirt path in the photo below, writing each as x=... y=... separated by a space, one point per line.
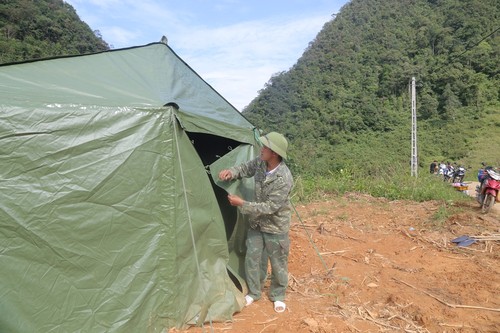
x=384 y=266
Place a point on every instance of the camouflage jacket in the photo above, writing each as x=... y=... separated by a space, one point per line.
x=271 y=209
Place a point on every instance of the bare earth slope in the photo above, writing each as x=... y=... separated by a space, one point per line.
x=384 y=266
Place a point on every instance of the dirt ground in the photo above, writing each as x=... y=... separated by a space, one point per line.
x=364 y=264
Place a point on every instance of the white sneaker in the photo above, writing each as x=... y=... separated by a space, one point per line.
x=248 y=300
x=279 y=306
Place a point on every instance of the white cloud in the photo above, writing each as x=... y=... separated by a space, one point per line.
x=238 y=60
x=120 y=35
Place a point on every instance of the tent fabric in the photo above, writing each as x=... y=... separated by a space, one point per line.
x=109 y=220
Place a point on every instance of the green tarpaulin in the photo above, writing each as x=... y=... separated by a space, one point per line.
x=110 y=220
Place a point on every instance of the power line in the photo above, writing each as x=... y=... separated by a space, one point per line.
x=468 y=48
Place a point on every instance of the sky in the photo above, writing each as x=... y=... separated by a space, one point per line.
x=234 y=45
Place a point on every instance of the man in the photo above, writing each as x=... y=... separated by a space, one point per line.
x=269 y=219
x=433 y=167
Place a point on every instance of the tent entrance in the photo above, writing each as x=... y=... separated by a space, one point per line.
x=210 y=148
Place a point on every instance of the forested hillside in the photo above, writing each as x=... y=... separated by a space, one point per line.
x=43 y=28
x=346 y=103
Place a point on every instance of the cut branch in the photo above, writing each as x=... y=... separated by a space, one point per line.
x=446 y=303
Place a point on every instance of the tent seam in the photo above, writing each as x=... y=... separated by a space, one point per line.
x=174 y=122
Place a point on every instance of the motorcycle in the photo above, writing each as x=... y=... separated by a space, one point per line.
x=459 y=175
x=448 y=174
x=487 y=192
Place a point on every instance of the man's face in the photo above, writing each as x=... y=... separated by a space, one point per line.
x=266 y=153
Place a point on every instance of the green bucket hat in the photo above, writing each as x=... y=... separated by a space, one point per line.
x=276 y=142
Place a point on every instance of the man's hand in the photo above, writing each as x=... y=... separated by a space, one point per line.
x=225 y=175
x=235 y=200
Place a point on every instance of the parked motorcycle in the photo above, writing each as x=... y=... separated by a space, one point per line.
x=459 y=175
x=487 y=192
x=448 y=174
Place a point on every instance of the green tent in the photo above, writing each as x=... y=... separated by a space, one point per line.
x=110 y=219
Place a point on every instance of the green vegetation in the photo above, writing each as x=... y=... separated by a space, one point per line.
x=43 y=28
x=393 y=184
x=345 y=104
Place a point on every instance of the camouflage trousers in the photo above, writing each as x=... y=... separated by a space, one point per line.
x=260 y=247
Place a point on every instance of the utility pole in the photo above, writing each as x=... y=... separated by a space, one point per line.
x=414 y=164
